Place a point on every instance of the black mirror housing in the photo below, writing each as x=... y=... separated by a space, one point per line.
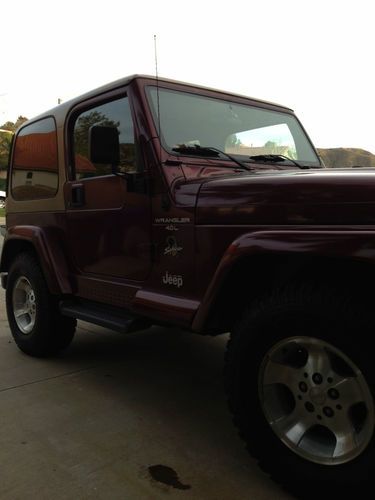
x=104 y=145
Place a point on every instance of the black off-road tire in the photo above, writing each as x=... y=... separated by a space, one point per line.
x=338 y=326
x=41 y=331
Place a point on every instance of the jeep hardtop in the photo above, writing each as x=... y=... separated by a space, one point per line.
x=150 y=201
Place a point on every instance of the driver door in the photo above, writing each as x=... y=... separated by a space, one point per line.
x=108 y=226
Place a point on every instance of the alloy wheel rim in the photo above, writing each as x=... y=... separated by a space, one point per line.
x=24 y=305
x=316 y=400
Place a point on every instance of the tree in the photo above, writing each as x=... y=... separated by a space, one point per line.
x=82 y=126
x=6 y=139
x=13 y=126
x=5 y=142
x=271 y=146
x=233 y=141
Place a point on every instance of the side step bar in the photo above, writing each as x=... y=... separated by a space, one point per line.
x=107 y=317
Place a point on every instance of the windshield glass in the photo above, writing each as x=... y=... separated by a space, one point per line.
x=237 y=129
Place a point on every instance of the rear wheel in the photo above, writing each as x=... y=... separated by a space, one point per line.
x=300 y=382
x=36 y=324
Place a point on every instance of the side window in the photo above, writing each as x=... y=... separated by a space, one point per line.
x=35 y=166
x=115 y=114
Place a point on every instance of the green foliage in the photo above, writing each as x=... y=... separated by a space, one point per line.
x=11 y=126
x=272 y=146
x=6 y=139
x=5 y=142
x=81 y=130
x=233 y=140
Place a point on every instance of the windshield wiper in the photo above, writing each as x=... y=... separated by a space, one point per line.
x=276 y=158
x=207 y=151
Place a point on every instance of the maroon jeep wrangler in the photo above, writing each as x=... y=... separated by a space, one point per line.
x=158 y=202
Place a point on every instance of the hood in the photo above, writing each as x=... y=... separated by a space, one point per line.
x=327 y=196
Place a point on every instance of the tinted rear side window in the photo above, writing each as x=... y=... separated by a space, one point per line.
x=35 y=164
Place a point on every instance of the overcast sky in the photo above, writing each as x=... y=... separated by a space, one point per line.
x=313 y=56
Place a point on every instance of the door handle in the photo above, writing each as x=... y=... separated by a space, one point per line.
x=78 y=195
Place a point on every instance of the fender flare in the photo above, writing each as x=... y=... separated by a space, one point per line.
x=48 y=247
x=358 y=245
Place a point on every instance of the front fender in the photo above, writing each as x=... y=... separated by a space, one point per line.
x=47 y=246
x=358 y=245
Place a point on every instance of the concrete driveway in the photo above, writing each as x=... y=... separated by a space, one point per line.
x=133 y=417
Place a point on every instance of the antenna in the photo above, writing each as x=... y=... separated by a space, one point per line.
x=157 y=92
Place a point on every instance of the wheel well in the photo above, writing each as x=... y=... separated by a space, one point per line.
x=254 y=277
x=11 y=251
x=14 y=248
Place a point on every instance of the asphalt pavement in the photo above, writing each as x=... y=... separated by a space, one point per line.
x=134 y=417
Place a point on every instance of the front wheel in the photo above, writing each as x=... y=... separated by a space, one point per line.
x=36 y=324
x=300 y=381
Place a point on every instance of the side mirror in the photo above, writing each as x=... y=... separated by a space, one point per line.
x=104 y=145
x=104 y=148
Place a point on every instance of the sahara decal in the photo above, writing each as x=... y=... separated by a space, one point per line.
x=172 y=247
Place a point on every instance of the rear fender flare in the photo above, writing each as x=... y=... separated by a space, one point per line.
x=47 y=246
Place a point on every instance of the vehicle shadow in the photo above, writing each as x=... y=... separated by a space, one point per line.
x=171 y=382
x=167 y=371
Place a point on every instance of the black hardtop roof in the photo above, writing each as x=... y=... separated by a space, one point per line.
x=62 y=110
